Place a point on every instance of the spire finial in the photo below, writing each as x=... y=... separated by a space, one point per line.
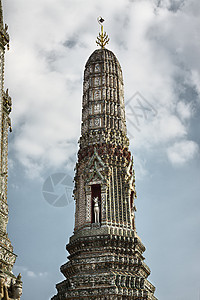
x=102 y=38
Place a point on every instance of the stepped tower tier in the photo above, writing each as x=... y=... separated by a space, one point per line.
x=105 y=167
x=103 y=98
x=105 y=253
x=10 y=286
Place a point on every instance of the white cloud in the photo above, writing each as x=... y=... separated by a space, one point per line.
x=31 y=274
x=196 y=80
x=182 y=152
x=45 y=76
x=184 y=110
x=26 y=272
x=43 y=274
x=169 y=127
x=170 y=4
x=155 y=132
x=140 y=167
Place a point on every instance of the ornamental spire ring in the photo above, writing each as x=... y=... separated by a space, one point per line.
x=102 y=38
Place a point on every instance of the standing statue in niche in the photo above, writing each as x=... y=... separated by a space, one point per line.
x=133 y=210
x=96 y=209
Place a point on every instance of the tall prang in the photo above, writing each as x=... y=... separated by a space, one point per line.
x=105 y=253
x=10 y=286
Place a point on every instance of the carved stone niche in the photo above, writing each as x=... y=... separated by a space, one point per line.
x=88 y=203
x=95 y=189
x=103 y=204
x=95 y=201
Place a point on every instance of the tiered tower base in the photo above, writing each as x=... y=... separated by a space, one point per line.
x=105 y=263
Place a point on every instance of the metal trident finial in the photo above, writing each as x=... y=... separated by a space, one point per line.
x=103 y=38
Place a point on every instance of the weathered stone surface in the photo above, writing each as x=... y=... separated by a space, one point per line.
x=105 y=258
x=10 y=286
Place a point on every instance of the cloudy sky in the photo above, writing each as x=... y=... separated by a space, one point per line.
x=157 y=43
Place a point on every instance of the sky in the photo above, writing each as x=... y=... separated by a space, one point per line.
x=157 y=44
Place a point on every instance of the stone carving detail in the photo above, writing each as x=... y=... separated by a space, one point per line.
x=97 y=68
x=4 y=36
x=97 y=108
x=103 y=205
x=12 y=292
x=97 y=94
x=105 y=257
x=97 y=122
x=133 y=210
x=106 y=149
x=96 y=209
x=97 y=81
x=9 y=284
x=88 y=208
x=7 y=102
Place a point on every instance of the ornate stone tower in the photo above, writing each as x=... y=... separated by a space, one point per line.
x=10 y=286
x=106 y=255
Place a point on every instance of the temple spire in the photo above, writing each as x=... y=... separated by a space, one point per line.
x=4 y=36
x=105 y=253
x=102 y=38
x=10 y=285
